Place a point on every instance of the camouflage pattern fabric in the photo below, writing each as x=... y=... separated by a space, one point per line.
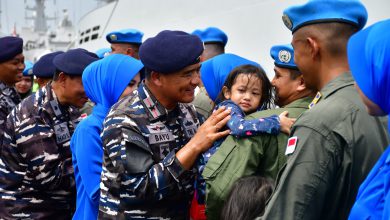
x=9 y=98
x=142 y=178
x=36 y=173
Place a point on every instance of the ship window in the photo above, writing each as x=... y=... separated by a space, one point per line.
x=94 y=36
x=82 y=34
x=87 y=31
x=96 y=28
x=86 y=39
x=81 y=41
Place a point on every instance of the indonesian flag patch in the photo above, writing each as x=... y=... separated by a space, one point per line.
x=291 y=144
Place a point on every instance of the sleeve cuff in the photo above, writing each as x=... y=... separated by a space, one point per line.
x=173 y=165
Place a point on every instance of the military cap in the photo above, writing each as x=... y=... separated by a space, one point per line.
x=131 y=36
x=44 y=67
x=73 y=62
x=28 y=68
x=10 y=47
x=170 y=51
x=368 y=57
x=283 y=56
x=215 y=71
x=211 y=35
x=323 y=11
x=102 y=52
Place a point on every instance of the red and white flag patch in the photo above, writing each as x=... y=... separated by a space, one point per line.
x=291 y=144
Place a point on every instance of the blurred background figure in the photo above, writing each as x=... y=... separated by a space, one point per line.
x=24 y=86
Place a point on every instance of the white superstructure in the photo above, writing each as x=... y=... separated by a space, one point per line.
x=253 y=26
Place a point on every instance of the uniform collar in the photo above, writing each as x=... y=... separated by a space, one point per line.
x=336 y=84
x=5 y=89
x=300 y=103
x=344 y=80
x=154 y=109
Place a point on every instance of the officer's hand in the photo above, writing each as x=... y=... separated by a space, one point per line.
x=286 y=123
x=209 y=132
x=204 y=137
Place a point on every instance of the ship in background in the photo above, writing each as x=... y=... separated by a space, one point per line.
x=38 y=39
x=253 y=26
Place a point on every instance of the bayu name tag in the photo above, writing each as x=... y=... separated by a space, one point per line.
x=62 y=132
x=156 y=138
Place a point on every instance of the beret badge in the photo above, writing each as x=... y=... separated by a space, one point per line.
x=113 y=37
x=284 y=56
x=287 y=21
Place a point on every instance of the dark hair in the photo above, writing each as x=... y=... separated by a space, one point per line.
x=266 y=100
x=335 y=36
x=294 y=74
x=247 y=198
x=57 y=73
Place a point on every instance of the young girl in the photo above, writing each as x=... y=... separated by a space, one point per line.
x=246 y=90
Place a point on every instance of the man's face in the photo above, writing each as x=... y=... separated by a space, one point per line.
x=284 y=86
x=12 y=70
x=74 y=91
x=180 y=86
x=125 y=49
x=303 y=60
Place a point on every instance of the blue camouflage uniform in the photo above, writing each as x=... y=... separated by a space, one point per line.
x=141 y=176
x=9 y=97
x=36 y=174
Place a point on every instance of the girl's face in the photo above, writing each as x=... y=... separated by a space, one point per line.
x=245 y=92
x=24 y=85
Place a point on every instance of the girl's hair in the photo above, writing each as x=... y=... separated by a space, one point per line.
x=247 y=198
x=266 y=100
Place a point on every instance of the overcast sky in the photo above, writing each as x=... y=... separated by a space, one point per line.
x=13 y=11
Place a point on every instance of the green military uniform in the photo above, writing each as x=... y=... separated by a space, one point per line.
x=257 y=155
x=203 y=104
x=337 y=145
x=87 y=108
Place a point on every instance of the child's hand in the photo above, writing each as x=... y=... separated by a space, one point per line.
x=286 y=123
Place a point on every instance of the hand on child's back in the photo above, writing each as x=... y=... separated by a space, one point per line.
x=286 y=123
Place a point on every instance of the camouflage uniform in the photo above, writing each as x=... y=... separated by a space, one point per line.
x=142 y=177
x=36 y=173
x=9 y=98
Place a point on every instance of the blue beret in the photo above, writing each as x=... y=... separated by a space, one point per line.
x=170 y=51
x=102 y=52
x=323 y=11
x=131 y=36
x=215 y=71
x=368 y=57
x=10 y=47
x=283 y=56
x=44 y=67
x=28 y=68
x=211 y=35
x=73 y=62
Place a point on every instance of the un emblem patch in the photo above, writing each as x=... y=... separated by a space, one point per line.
x=284 y=56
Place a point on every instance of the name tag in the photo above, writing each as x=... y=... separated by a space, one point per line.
x=62 y=132
x=155 y=138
